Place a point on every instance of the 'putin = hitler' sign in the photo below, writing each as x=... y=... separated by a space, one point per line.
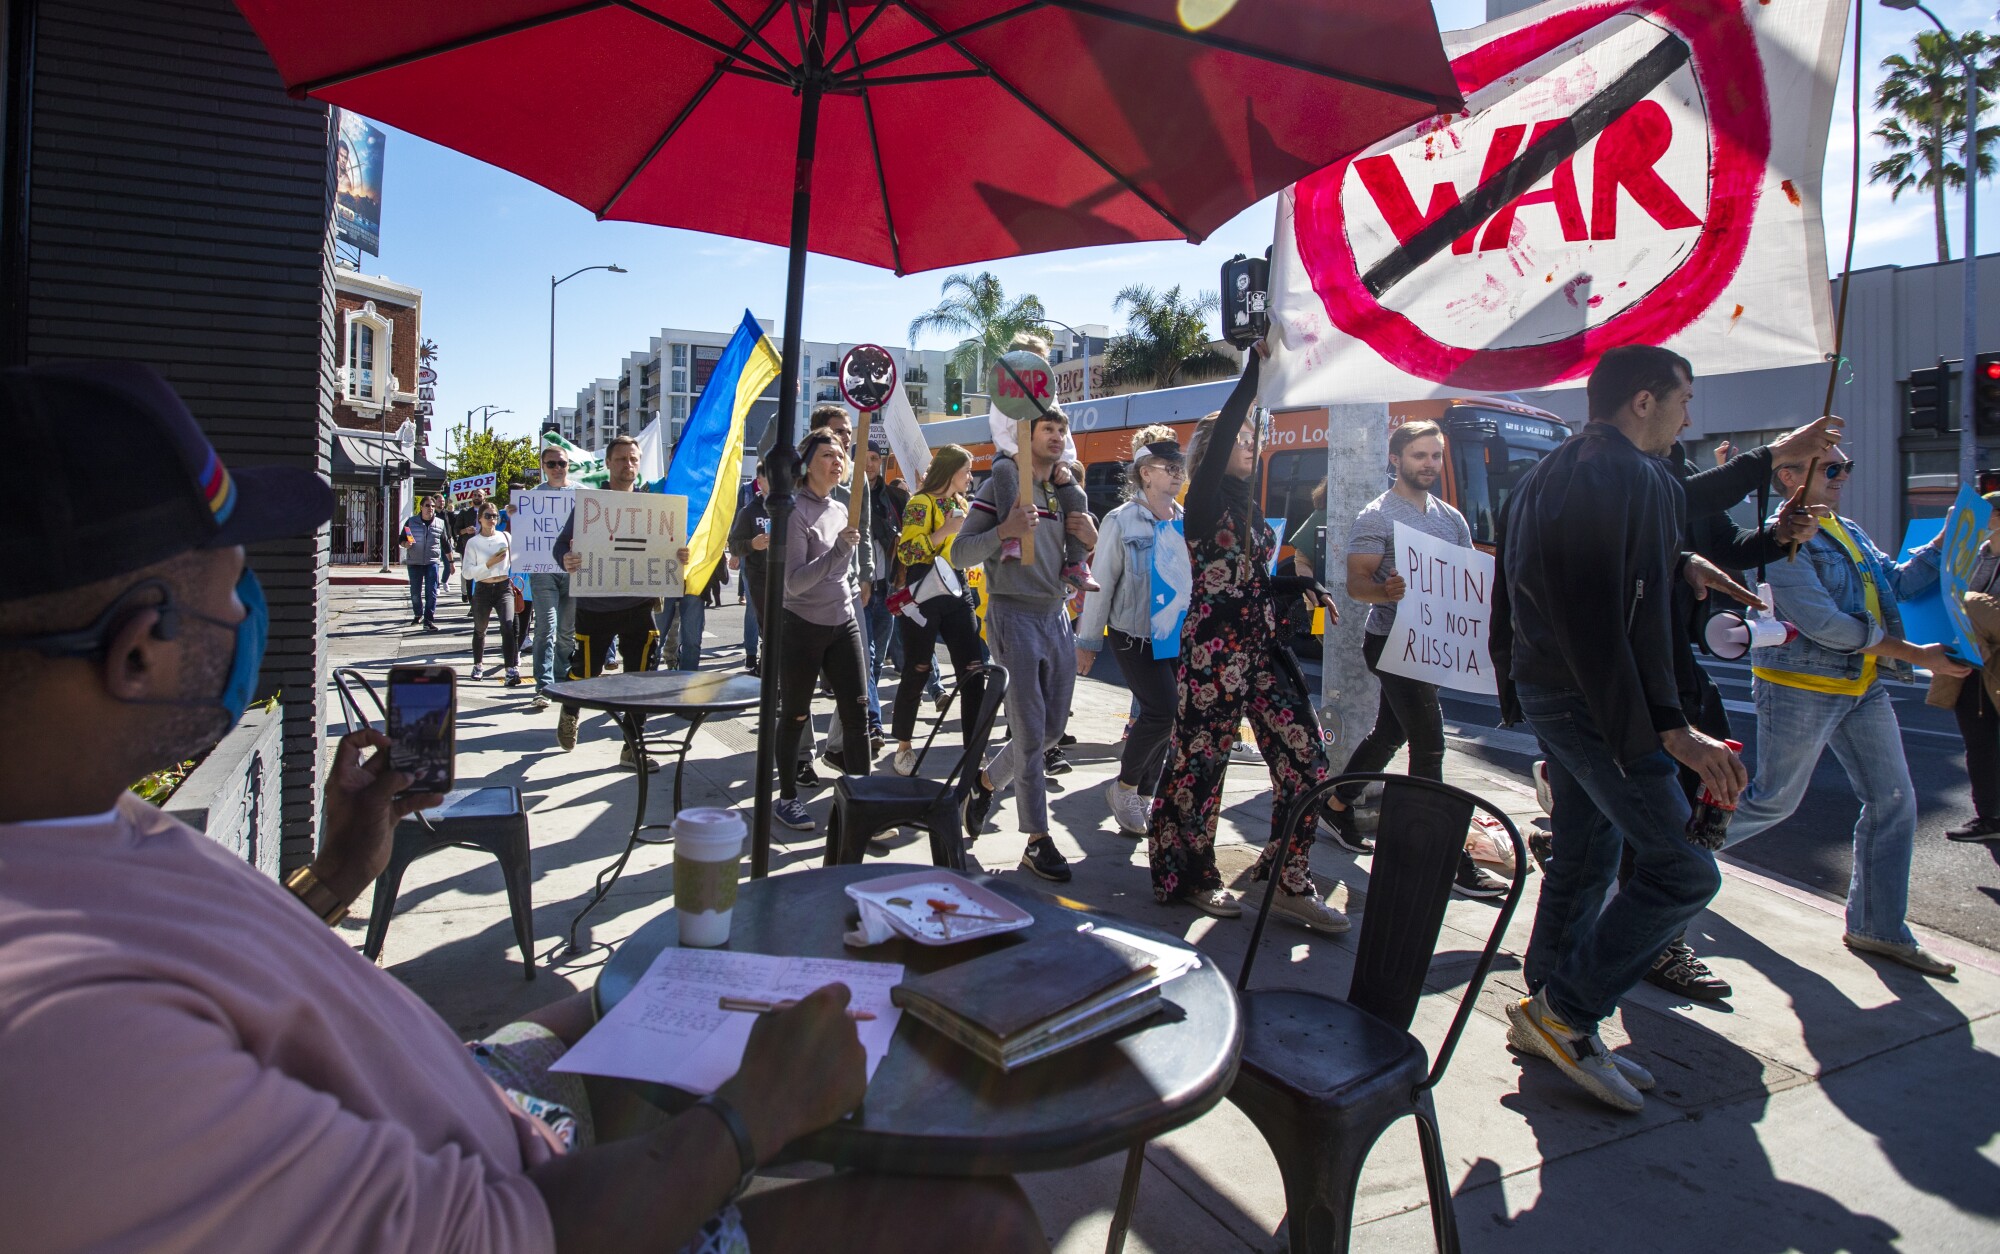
x=1623 y=173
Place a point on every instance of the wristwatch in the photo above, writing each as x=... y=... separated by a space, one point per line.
x=746 y=1151
x=317 y=897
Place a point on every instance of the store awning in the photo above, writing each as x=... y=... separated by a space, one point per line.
x=357 y=457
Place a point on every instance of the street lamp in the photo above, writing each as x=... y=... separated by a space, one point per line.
x=1082 y=339
x=1968 y=435
x=486 y=415
x=555 y=283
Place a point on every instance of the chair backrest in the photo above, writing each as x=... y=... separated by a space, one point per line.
x=352 y=686
x=1417 y=848
x=978 y=731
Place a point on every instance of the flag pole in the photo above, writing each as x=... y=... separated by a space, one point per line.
x=781 y=463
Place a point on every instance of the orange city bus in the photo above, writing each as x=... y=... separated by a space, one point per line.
x=1490 y=444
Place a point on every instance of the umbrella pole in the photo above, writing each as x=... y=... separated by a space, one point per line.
x=782 y=462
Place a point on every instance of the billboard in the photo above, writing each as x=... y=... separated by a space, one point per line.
x=357 y=202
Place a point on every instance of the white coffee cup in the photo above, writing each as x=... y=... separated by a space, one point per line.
x=708 y=852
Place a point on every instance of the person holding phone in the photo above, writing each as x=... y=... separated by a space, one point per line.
x=487 y=560
x=193 y=1058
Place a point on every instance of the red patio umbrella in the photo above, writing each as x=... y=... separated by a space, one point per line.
x=932 y=132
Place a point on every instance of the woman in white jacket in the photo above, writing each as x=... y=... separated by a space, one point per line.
x=1133 y=545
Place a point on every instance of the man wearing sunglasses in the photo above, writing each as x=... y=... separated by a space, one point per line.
x=553 y=607
x=1820 y=689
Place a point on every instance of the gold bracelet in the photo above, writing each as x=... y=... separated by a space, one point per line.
x=317 y=897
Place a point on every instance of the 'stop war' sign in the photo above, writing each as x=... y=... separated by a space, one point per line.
x=1624 y=173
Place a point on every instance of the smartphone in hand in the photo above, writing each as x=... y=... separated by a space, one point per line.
x=423 y=724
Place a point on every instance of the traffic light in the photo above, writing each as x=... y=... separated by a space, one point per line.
x=954 y=395
x=1989 y=481
x=1928 y=399
x=1986 y=393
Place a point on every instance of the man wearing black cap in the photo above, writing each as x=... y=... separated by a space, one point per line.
x=193 y=1058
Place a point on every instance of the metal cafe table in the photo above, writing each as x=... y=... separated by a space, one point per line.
x=933 y=1107
x=630 y=699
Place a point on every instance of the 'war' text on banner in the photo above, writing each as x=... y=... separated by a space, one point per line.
x=629 y=543
x=1441 y=632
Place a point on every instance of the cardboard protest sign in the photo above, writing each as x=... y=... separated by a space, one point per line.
x=1622 y=174
x=629 y=542
x=538 y=518
x=462 y=489
x=1442 y=622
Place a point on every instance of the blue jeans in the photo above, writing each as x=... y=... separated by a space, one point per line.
x=1584 y=954
x=1793 y=726
x=424 y=591
x=750 y=633
x=680 y=624
x=555 y=628
x=879 y=629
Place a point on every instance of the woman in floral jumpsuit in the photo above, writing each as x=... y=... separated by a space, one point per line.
x=1235 y=666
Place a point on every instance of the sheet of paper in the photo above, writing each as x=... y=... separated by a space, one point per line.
x=670 y=1030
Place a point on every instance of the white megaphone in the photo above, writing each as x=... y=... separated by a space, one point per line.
x=1730 y=635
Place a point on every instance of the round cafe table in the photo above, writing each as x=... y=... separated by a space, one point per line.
x=934 y=1107
x=630 y=699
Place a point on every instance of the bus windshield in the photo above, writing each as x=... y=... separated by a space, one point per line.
x=1490 y=451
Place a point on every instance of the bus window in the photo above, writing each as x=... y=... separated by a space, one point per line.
x=1289 y=485
x=1490 y=452
x=1104 y=485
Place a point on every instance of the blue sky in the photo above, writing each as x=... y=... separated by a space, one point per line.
x=483 y=243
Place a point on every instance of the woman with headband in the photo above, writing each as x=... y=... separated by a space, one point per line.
x=936 y=594
x=1235 y=667
x=1135 y=549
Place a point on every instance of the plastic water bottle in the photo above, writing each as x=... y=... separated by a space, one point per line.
x=1708 y=826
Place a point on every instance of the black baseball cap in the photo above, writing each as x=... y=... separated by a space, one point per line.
x=114 y=474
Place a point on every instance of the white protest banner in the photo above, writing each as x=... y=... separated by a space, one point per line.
x=462 y=489
x=1440 y=636
x=1622 y=174
x=538 y=519
x=629 y=542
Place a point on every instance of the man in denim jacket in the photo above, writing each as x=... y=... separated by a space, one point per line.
x=1820 y=689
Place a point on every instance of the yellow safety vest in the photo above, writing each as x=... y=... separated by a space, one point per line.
x=1873 y=597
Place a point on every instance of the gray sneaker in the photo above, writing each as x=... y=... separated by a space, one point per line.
x=1309 y=912
x=1914 y=956
x=1520 y=1042
x=1581 y=1057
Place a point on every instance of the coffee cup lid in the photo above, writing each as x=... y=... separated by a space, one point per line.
x=713 y=822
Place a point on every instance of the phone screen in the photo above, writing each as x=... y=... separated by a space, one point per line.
x=422 y=708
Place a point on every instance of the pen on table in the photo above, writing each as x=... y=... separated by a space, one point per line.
x=756 y=1006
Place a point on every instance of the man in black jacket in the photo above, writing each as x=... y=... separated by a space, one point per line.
x=1589 y=652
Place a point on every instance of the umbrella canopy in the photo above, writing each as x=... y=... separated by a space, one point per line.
x=951 y=131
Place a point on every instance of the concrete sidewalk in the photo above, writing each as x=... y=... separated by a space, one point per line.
x=1833 y=1104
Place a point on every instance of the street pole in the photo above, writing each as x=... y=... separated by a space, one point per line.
x=555 y=283
x=1968 y=411
x=1968 y=386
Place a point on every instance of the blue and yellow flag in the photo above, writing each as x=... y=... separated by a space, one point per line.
x=708 y=461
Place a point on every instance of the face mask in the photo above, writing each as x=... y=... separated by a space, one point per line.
x=248 y=658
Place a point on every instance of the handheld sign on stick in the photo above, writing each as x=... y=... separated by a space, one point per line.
x=867 y=380
x=1021 y=381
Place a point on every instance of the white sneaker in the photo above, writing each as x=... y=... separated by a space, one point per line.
x=1545 y=796
x=1582 y=1058
x=1308 y=911
x=1132 y=809
x=540 y=703
x=905 y=762
x=1216 y=902
x=1521 y=1042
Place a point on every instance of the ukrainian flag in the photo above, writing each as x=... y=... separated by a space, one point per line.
x=708 y=460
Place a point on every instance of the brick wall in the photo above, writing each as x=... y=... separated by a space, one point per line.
x=179 y=213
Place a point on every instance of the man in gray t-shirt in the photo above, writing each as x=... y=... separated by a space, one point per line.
x=1410 y=710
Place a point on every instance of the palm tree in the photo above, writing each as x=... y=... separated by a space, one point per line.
x=975 y=306
x=1166 y=338
x=1926 y=99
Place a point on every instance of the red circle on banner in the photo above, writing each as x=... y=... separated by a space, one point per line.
x=1730 y=76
